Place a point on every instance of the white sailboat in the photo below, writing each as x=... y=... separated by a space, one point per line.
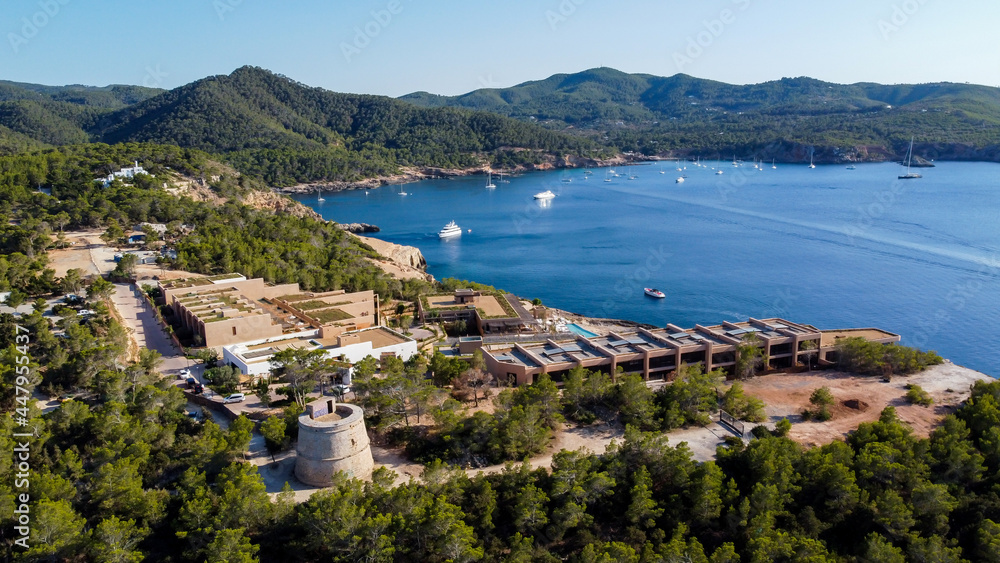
x=909 y=158
x=320 y=198
x=489 y=180
x=401 y=192
x=811 y=165
x=773 y=167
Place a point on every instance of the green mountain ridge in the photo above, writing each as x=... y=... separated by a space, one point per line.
x=687 y=115
x=285 y=132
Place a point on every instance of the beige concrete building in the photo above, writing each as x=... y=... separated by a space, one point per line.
x=230 y=309
x=486 y=313
x=658 y=354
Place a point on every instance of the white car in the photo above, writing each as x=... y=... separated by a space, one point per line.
x=234 y=398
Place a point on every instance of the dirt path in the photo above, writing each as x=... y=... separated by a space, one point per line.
x=85 y=254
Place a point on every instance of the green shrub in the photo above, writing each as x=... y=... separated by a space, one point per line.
x=915 y=395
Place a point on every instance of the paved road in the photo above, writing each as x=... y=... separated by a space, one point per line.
x=140 y=318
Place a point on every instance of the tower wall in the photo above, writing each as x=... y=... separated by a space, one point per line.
x=330 y=444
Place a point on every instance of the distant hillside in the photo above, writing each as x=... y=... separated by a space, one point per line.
x=783 y=119
x=285 y=132
x=107 y=97
x=34 y=116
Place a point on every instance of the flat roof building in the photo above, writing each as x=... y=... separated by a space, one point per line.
x=254 y=358
x=658 y=354
x=489 y=313
x=230 y=309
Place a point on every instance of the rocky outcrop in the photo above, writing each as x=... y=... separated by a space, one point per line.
x=397 y=260
x=278 y=203
x=359 y=228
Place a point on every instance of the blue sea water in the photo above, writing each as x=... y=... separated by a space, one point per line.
x=827 y=246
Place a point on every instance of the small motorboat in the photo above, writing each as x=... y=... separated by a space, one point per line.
x=653 y=292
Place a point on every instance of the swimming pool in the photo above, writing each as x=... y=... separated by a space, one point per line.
x=577 y=329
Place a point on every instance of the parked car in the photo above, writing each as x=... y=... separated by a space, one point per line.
x=185 y=372
x=198 y=389
x=191 y=382
x=234 y=398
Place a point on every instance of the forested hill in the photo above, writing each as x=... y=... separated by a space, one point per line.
x=657 y=114
x=33 y=115
x=285 y=132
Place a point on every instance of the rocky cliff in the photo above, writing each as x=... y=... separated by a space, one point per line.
x=278 y=203
x=399 y=261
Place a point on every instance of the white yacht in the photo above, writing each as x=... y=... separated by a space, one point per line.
x=547 y=194
x=450 y=230
x=680 y=180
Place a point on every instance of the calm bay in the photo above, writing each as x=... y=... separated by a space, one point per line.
x=827 y=246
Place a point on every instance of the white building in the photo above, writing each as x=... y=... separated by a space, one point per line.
x=125 y=173
x=254 y=358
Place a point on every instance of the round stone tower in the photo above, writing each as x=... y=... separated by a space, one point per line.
x=332 y=438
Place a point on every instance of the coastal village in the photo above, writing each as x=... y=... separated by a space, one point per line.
x=245 y=323
x=364 y=282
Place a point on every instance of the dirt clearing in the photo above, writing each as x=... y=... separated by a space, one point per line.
x=861 y=399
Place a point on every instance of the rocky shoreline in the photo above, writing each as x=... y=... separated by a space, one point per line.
x=411 y=174
x=357 y=228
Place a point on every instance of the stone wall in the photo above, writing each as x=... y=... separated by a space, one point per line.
x=330 y=444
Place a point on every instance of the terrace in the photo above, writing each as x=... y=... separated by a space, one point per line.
x=552 y=353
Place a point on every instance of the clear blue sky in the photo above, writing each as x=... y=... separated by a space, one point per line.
x=451 y=47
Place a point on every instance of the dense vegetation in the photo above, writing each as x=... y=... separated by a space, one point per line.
x=523 y=419
x=124 y=475
x=281 y=131
x=781 y=119
x=231 y=237
x=857 y=355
